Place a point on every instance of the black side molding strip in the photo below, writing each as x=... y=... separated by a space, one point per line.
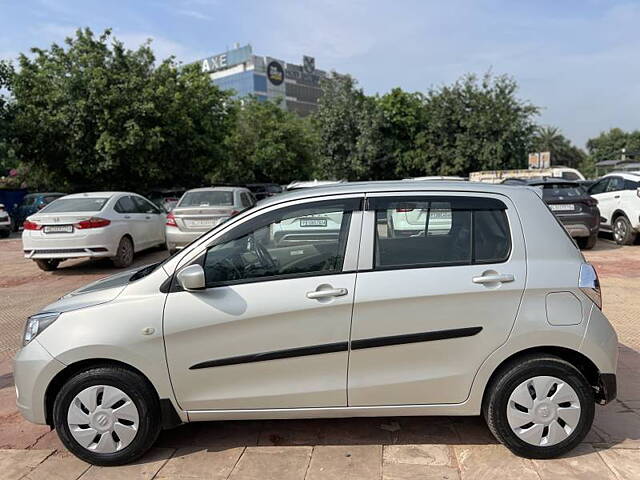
x=341 y=347
x=414 y=338
x=275 y=355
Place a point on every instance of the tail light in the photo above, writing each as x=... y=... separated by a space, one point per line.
x=234 y=212
x=93 y=222
x=171 y=220
x=404 y=210
x=31 y=225
x=590 y=284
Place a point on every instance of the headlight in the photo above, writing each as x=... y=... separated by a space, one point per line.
x=36 y=324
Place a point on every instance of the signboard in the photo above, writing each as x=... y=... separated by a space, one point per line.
x=275 y=73
x=539 y=160
x=308 y=64
x=227 y=59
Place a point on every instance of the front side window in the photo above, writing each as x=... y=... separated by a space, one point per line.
x=439 y=231
x=599 y=187
x=303 y=240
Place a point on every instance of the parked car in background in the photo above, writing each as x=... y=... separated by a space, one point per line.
x=201 y=209
x=618 y=196
x=166 y=199
x=499 y=316
x=497 y=176
x=92 y=225
x=31 y=203
x=571 y=204
x=264 y=190
x=5 y=222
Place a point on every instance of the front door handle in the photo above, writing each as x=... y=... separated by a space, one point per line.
x=330 y=292
x=127 y=217
x=617 y=196
x=493 y=278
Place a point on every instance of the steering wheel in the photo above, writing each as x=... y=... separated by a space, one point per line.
x=264 y=256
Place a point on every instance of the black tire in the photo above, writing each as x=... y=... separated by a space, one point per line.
x=623 y=232
x=140 y=392
x=124 y=254
x=498 y=393
x=47 y=264
x=587 y=243
x=5 y=233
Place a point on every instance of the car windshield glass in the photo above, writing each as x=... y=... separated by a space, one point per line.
x=29 y=200
x=206 y=199
x=86 y=204
x=554 y=190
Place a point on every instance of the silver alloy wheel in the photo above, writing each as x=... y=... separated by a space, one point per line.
x=103 y=419
x=619 y=230
x=543 y=411
x=126 y=251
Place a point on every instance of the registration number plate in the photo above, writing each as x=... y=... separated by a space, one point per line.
x=313 y=222
x=563 y=207
x=209 y=222
x=58 y=229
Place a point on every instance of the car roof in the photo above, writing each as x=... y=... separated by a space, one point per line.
x=392 y=186
x=217 y=189
x=98 y=194
x=628 y=175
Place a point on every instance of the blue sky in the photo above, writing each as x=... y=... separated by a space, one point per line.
x=578 y=60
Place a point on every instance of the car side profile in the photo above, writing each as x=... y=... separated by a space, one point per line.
x=618 y=196
x=478 y=317
x=115 y=225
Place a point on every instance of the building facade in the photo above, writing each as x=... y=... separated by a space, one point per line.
x=238 y=69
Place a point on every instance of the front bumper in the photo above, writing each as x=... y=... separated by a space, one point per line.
x=33 y=370
x=607 y=388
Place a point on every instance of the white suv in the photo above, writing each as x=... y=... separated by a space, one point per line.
x=495 y=312
x=618 y=196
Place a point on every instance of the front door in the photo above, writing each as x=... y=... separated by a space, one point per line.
x=438 y=297
x=271 y=329
x=607 y=194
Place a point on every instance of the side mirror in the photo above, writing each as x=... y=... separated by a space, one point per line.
x=191 y=278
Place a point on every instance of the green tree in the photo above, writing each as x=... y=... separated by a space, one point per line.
x=563 y=152
x=472 y=125
x=404 y=116
x=7 y=157
x=609 y=145
x=347 y=124
x=95 y=115
x=266 y=144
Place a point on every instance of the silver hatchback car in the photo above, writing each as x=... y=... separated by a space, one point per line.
x=494 y=312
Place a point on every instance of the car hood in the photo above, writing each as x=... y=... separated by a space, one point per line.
x=95 y=293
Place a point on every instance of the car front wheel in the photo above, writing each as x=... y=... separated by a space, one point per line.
x=107 y=416
x=48 y=264
x=539 y=407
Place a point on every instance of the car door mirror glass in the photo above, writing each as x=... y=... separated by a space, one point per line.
x=191 y=278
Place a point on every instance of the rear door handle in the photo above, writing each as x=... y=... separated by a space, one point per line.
x=148 y=217
x=332 y=292
x=493 y=278
x=617 y=196
x=127 y=217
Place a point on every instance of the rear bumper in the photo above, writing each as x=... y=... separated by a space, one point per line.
x=607 y=388
x=98 y=243
x=177 y=238
x=580 y=225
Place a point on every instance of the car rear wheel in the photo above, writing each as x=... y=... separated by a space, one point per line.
x=623 y=232
x=587 y=243
x=124 y=255
x=107 y=416
x=539 y=407
x=47 y=264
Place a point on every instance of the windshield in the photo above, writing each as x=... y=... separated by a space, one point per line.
x=555 y=190
x=85 y=204
x=206 y=199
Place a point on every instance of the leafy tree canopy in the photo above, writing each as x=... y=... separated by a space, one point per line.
x=94 y=115
x=609 y=145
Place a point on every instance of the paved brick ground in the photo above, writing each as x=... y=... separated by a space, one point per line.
x=370 y=448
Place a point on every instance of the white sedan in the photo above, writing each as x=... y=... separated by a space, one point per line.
x=97 y=224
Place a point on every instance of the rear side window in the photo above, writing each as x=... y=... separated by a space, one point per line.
x=631 y=185
x=125 y=205
x=438 y=231
x=615 y=184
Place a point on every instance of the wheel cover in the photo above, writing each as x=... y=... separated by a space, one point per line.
x=103 y=419
x=543 y=411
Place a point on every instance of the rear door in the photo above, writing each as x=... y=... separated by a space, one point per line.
x=432 y=305
x=153 y=220
x=133 y=220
